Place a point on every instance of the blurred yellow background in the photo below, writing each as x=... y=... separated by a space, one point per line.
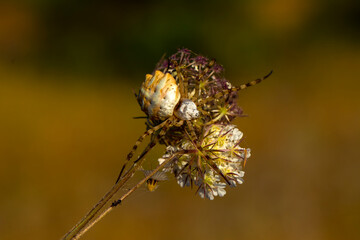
x=67 y=75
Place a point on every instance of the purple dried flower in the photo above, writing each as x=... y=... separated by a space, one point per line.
x=184 y=50
x=223 y=83
x=165 y=64
x=235 y=110
x=174 y=57
x=201 y=60
x=217 y=68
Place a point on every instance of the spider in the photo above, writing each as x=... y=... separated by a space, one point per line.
x=178 y=96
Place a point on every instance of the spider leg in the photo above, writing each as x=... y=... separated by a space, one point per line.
x=158 y=65
x=191 y=130
x=147 y=133
x=153 y=142
x=252 y=83
x=139 y=141
x=182 y=84
x=141 y=117
x=146 y=150
x=163 y=132
x=233 y=89
x=179 y=123
x=173 y=121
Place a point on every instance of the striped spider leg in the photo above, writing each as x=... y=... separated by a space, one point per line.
x=224 y=108
x=164 y=99
x=157 y=133
x=149 y=132
x=235 y=89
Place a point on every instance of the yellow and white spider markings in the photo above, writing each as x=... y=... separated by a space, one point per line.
x=152 y=183
x=158 y=96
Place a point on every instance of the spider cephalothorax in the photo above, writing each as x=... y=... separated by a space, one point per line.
x=185 y=94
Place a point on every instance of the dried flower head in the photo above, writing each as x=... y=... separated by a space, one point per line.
x=189 y=107
x=211 y=163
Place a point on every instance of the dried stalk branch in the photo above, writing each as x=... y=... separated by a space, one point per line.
x=91 y=219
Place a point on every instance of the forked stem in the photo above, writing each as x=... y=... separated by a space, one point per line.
x=91 y=219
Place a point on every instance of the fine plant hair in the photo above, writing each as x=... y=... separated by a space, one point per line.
x=189 y=107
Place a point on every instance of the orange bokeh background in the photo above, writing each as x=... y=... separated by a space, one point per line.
x=67 y=76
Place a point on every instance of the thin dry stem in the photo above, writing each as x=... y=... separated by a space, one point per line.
x=90 y=220
x=96 y=209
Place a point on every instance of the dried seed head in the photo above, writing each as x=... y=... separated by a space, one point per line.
x=218 y=160
x=194 y=89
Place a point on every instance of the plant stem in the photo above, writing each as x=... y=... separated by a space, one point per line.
x=111 y=207
x=95 y=210
x=85 y=224
x=90 y=215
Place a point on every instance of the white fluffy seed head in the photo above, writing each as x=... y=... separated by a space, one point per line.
x=187 y=110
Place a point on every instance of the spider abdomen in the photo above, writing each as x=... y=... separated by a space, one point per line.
x=159 y=94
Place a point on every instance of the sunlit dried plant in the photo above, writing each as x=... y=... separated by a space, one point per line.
x=189 y=108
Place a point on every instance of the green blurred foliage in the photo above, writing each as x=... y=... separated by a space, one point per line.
x=67 y=72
